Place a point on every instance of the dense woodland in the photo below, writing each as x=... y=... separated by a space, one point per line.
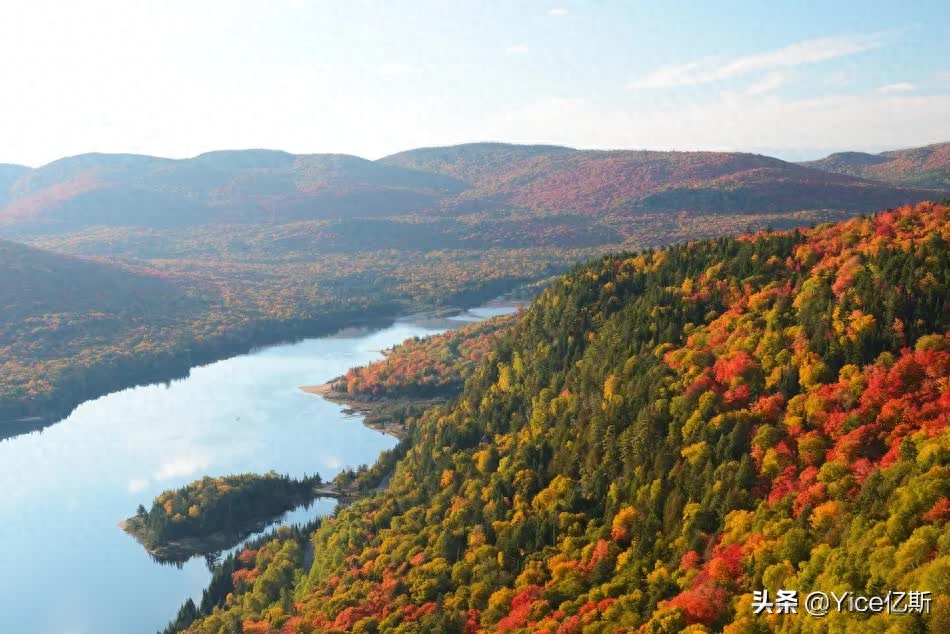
x=660 y=434
x=223 y=504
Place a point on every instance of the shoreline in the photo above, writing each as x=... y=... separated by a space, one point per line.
x=182 y=549
x=324 y=389
x=374 y=411
x=372 y=417
x=28 y=417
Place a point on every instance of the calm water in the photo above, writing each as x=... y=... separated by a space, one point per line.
x=66 y=568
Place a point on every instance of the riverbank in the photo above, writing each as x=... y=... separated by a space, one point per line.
x=94 y=381
x=387 y=410
x=138 y=370
x=385 y=415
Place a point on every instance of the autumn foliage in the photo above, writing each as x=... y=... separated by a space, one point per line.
x=661 y=434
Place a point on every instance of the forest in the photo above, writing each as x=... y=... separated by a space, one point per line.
x=425 y=367
x=74 y=328
x=660 y=434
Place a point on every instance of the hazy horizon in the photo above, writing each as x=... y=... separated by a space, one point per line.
x=790 y=155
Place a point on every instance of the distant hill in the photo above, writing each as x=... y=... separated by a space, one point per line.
x=9 y=175
x=271 y=187
x=927 y=166
x=249 y=186
x=479 y=164
x=598 y=182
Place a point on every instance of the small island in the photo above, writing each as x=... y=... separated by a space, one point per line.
x=212 y=514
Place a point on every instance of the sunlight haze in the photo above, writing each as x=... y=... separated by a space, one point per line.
x=372 y=78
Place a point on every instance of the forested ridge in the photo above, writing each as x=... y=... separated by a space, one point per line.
x=272 y=187
x=662 y=433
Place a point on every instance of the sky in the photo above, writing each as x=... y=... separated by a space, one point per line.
x=795 y=79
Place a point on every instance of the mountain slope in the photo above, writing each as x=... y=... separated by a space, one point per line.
x=34 y=282
x=266 y=187
x=9 y=174
x=660 y=435
x=63 y=316
x=603 y=182
x=927 y=166
x=257 y=186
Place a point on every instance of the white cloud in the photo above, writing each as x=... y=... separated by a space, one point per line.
x=899 y=87
x=181 y=466
x=136 y=485
x=769 y=83
x=942 y=76
x=517 y=49
x=801 y=53
x=557 y=12
x=733 y=122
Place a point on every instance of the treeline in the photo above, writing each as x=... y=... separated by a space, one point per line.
x=661 y=434
x=221 y=504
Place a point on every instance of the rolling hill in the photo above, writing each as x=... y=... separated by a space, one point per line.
x=9 y=174
x=631 y=182
x=927 y=166
x=266 y=187
x=250 y=186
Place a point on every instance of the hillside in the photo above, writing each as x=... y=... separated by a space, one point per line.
x=927 y=166
x=34 y=282
x=544 y=183
x=658 y=436
x=63 y=315
x=73 y=328
x=633 y=182
x=9 y=174
x=251 y=186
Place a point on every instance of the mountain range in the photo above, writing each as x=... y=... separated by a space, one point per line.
x=272 y=187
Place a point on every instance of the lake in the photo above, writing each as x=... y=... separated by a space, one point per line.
x=66 y=566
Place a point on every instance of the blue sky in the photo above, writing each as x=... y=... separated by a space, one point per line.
x=176 y=78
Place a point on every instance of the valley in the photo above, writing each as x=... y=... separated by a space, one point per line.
x=671 y=395
x=183 y=262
